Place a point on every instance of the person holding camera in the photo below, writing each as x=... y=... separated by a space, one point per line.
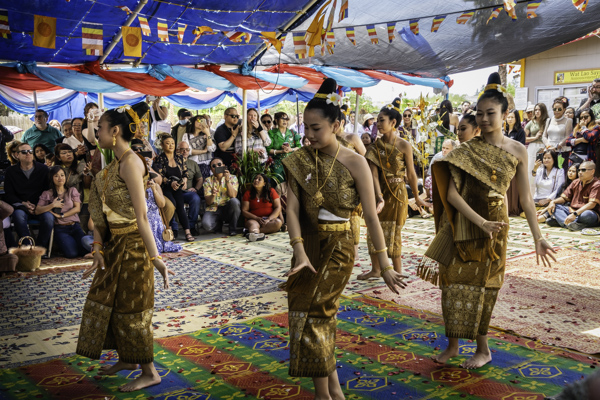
x=283 y=142
x=64 y=203
x=155 y=201
x=228 y=137
x=173 y=170
x=220 y=193
x=200 y=143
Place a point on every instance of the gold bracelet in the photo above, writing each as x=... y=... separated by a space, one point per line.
x=154 y=258
x=483 y=223
x=99 y=251
x=381 y=251
x=538 y=239
x=386 y=269
x=296 y=241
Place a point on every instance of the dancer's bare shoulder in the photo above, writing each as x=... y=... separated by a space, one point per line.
x=517 y=149
x=354 y=162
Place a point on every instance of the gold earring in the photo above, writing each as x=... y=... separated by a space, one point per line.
x=114 y=140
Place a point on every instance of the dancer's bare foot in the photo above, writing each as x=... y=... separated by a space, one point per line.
x=478 y=360
x=113 y=369
x=143 y=381
x=445 y=355
x=369 y=275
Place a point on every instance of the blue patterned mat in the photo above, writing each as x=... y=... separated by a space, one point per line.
x=33 y=303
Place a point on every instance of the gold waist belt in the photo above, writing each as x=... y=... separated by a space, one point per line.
x=496 y=203
x=334 y=226
x=396 y=180
x=124 y=229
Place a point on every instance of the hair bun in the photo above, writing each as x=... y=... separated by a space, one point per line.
x=141 y=108
x=494 y=78
x=329 y=85
x=397 y=102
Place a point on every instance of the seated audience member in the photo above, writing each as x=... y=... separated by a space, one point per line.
x=141 y=136
x=6 y=136
x=305 y=141
x=78 y=142
x=41 y=132
x=572 y=173
x=366 y=139
x=467 y=128
x=191 y=192
x=64 y=203
x=39 y=153
x=173 y=170
x=23 y=186
x=77 y=174
x=177 y=131
x=49 y=160
x=138 y=146
x=12 y=152
x=220 y=193
x=261 y=208
x=55 y=124
x=66 y=129
x=155 y=200
x=549 y=179
x=228 y=136
x=200 y=143
x=413 y=208
x=258 y=136
x=8 y=262
x=584 y=195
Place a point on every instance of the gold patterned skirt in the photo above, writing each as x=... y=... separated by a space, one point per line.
x=470 y=289
x=118 y=310
x=392 y=217
x=313 y=302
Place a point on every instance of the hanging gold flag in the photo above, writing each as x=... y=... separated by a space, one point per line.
x=132 y=41
x=44 y=32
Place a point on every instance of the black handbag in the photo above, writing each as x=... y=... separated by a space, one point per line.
x=575 y=158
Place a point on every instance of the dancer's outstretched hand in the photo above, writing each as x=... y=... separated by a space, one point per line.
x=544 y=250
x=301 y=263
x=393 y=279
x=164 y=271
x=491 y=227
x=98 y=262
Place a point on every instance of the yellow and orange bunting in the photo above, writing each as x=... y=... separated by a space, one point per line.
x=238 y=37
x=180 y=31
x=465 y=17
x=299 y=45
x=509 y=7
x=532 y=8
x=343 y=10
x=44 y=32
x=313 y=36
x=4 y=27
x=437 y=21
x=414 y=26
x=145 y=26
x=372 y=34
x=350 y=35
x=163 y=31
x=92 y=38
x=391 y=27
x=125 y=8
x=494 y=15
x=581 y=5
x=202 y=30
x=270 y=38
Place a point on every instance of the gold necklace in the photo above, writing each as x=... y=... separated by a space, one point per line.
x=318 y=199
x=387 y=158
x=125 y=152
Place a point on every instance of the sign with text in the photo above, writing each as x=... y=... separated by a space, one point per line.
x=579 y=76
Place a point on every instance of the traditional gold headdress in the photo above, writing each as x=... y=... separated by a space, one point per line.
x=331 y=98
x=134 y=126
x=494 y=86
x=392 y=107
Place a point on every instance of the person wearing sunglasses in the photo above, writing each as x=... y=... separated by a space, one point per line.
x=228 y=136
x=23 y=186
x=283 y=142
x=267 y=121
x=558 y=128
x=222 y=204
x=584 y=197
x=584 y=138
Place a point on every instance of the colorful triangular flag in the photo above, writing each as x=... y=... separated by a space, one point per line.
x=464 y=17
x=329 y=24
x=270 y=38
x=350 y=34
x=125 y=8
x=299 y=44
x=414 y=26
x=180 y=32
x=4 y=27
x=494 y=14
x=145 y=26
x=163 y=31
x=581 y=5
x=532 y=8
x=343 y=10
x=91 y=39
x=202 y=30
x=437 y=21
x=372 y=34
x=509 y=7
x=330 y=41
x=44 y=32
x=132 y=41
x=237 y=37
x=391 y=27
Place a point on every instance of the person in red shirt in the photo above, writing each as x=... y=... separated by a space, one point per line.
x=262 y=209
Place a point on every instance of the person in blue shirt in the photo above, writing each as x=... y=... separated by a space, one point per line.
x=41 y=132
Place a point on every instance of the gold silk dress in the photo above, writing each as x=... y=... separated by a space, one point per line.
x=118 y=310
x=313 y=300
x=471 y=265
x=392 y=173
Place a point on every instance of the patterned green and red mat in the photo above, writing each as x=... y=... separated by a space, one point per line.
x=383 y=352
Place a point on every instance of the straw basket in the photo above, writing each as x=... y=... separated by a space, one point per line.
x=30 y=256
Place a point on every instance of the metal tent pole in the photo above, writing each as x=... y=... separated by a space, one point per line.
x=356 y=114
x=119 y=34
x=101 y=101
x=244 y=123
x=258 y=104
x=35 y=104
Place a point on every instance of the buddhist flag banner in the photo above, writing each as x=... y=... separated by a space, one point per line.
x=581 y=5
x=330 y=41
x=237 y=37
x=4 y=27
x=350 y=34
x=132 y=41
x=299 y=45
x=372 y=34
x=44 y=32
x=163 y=31
x=329 y=25
x=464 y=17
x=509 y=7
x=180 y=32
x=125 y=8
x=494 y=15
x=145 y=26
x=202 y=30
x=343 y=10
x=414 y=26
x=391 y=26
x=532 y=8
x=437 y=21
x=91 y=39
x=270 y=38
